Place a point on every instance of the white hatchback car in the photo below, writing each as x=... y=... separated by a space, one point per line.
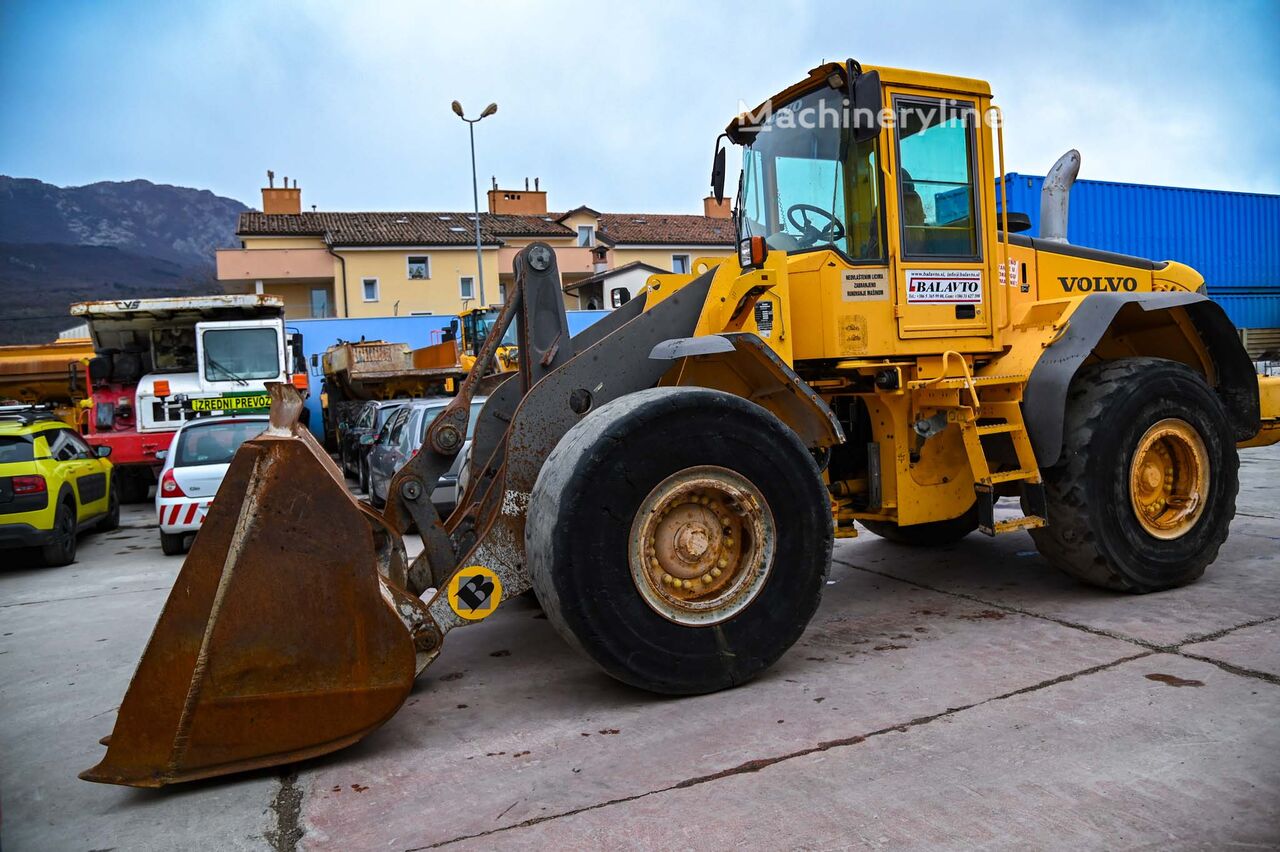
x=194 y=465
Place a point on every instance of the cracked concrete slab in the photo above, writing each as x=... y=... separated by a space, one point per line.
x=928 y=655
x=66 y=656
x=1105 y=760
x=1255 y=648
x=490 y=741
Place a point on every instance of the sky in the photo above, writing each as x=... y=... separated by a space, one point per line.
x=616 y=106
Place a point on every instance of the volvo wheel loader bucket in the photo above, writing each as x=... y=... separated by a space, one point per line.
x=279 y=640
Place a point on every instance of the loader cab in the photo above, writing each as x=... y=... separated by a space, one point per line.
x=888 y=239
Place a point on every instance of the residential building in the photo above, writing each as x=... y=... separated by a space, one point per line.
x=340 y=264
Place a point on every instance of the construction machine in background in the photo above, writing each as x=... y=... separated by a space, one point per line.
x=44 y=373
x=886 y=350
x=160 y=362
x=355 y=372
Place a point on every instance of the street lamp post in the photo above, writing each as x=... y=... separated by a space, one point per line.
x=475 y=186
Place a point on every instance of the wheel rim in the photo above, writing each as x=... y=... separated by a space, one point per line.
x=701 y=546
x=1169 y=479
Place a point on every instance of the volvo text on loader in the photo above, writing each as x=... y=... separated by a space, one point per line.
x=885 y=351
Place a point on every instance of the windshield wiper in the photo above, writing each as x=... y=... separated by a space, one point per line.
x=213 y=362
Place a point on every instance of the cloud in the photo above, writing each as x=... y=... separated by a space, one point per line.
x=616 y=106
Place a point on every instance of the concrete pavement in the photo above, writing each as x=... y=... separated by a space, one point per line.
x=958 y=697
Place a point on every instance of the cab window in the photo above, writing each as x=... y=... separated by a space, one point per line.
x=936 y=185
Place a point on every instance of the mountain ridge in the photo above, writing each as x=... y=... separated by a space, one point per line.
x=107 y=239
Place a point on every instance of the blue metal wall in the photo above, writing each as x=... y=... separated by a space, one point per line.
x=1231 y=238
x=319 y=334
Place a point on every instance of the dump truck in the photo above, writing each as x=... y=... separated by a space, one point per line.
x=355 y=372
x=44 y=374
x=160 y=362
x=887 y=350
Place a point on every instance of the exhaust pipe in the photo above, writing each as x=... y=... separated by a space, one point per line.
x=1055 y=196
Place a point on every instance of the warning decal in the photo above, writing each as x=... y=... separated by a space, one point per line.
x=474 y=592
x=866 y=285
x=944 y=286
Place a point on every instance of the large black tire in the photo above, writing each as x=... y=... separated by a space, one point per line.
x=930 y=534
x=590 y=491
x=111 y=520
x=134 y=484
x=61 y=549
x=1094 y=533
x=173 y=544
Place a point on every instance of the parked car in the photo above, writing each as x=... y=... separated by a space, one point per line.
x=53 y=485
x=194 y=465
x=353 y=451
x=401 y=437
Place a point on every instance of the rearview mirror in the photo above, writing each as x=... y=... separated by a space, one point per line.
x=717 y=171
x=161 y=455
x=102 y=451
x=866 y=99
x=368 y=439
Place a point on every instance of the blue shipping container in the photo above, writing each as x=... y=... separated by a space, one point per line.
x=319 y=334
x=1231 y=238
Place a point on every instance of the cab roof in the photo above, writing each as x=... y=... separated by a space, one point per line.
x=819 y=76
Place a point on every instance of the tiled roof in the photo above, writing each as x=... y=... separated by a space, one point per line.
x=665 y=229
x=447 y=229
x=399 y=229
x=570 y=286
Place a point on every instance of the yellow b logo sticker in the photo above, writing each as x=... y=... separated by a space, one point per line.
x=474 y=592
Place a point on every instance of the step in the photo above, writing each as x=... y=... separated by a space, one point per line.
x=1011 y=476
x=1030 y=522
x=999 y=428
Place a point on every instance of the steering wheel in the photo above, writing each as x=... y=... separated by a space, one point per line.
x=831 y=232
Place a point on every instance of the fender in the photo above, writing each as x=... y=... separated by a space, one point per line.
x=744 y=365
x=1045 y=398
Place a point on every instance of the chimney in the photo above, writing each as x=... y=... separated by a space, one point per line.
x=521 y=202
x=716 y=211
x=600 y=258
x=281 y=200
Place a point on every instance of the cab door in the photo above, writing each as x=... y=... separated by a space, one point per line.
x=941 y=282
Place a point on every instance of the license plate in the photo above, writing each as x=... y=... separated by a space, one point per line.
x=232 y=403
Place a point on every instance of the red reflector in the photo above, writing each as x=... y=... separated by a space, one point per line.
x=169 y=486
x=29 y=485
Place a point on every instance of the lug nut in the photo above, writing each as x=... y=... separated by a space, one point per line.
x=722 y=563
x=667 y=578
x=715 y=572
x=706 y=578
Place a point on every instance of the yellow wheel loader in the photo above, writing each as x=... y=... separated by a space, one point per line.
x=887 y=350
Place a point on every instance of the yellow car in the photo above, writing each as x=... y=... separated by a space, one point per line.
x=53 y=484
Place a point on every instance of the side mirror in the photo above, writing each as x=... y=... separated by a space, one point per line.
x=161 y=455
x=102 y=452
x=1018 y=222
x=717 y=170
x=867 y=100
x=368 y=439
x=73 y=377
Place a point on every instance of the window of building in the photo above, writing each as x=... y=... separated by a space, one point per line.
x=370 y=286
x=680 y=263
x=936 y=178
x=586 y=236
x=467 y=287
x=419 y=267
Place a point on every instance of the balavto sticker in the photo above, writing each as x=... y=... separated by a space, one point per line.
x=474 y=592
x=866 y=285
x=944 y=286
